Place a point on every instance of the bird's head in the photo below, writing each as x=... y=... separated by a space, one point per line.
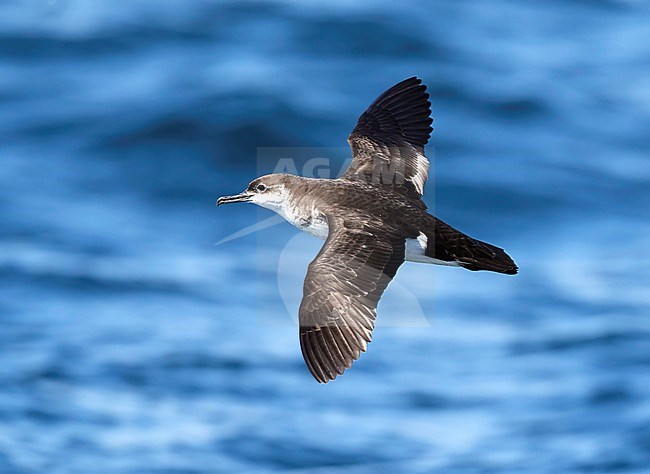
x=268 y=191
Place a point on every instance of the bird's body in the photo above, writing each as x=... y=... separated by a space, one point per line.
x=310 y=200
x=372 y=219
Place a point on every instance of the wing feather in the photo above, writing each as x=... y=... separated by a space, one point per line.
x=342 y=289
x=389 y=138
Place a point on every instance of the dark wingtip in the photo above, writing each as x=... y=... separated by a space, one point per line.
x=321 y=349
x=408 y=105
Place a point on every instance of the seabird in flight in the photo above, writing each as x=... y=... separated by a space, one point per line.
x=372 y=219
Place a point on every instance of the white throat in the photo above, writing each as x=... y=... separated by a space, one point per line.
x=308 y=220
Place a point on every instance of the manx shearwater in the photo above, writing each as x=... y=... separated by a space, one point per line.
x=372 y=219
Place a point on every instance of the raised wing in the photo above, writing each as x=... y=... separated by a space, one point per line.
x=343 y=286
x=388 y=140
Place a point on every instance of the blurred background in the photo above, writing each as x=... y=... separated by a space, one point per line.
x=131 y=343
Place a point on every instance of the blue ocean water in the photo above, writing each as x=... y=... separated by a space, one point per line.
x=131 y=343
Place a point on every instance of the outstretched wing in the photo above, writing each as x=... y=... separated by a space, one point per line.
x=388 y=140
x=343 y=286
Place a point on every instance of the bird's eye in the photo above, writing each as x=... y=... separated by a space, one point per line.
x=261 y=188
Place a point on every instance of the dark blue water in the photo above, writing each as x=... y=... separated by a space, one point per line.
x=131 y=343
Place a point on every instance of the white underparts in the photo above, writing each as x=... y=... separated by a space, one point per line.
x=313 y=223
x=415 y=252
x=316 y=225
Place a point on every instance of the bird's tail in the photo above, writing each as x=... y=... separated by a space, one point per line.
x=451 y=245
x=488 y=257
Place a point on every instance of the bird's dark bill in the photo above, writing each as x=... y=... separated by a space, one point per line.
x=243 y=197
